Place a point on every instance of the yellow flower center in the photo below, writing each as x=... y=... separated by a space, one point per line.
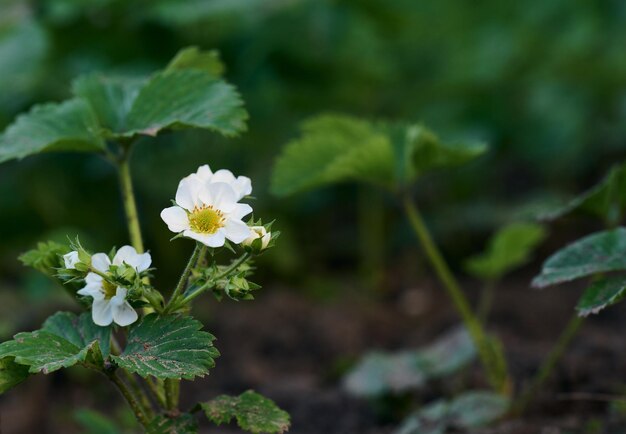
x=109 y=289
x=206 y=220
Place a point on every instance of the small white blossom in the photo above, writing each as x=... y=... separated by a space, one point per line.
x=109 y=302
x=208 y=211
x=71 y=259
x=242 y=185
x=257 y=232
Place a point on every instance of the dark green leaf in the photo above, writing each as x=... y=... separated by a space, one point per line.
x=183 y=424
x=11 y=374
x=254 y=413
x=79 y=330
x=194 y=58
x=602 y=293
x=67 y=126
x=508 y=249
x=170 y=346
x=597 y=253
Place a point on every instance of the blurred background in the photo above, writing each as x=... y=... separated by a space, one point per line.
x=544 y=83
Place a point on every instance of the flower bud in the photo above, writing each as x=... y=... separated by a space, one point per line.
x=258 y=233
x=71 y=259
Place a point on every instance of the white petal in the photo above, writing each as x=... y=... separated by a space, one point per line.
x=239 y=211
x=236 y=230
x=101 y=262
x=220 y=195
x=93 y=280
x=128 y=255
x=70 y=260
x=124 y=314
x=101 y=312
x=212 y=240
x=144 y=262
x=175 y=218
x=91 y=291
x=223 y=175
x=244 y=186
x=187 y=193
x=204 y=172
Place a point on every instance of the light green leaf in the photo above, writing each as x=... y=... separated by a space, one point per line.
x=187 y=98
x=11 y=374
x=606 y=200
x=183 y=424
x=470 y=410
x=597 y=253
x=254 y=413
x=194 y=58
x=379 y=373
x=79 y=330
x=602 y=293
x=508 y=249
x=170 y=346
x=339 y=148
x=46 y=257
x=66 y=126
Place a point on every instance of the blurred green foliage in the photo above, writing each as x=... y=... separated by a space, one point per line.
x=544 y=83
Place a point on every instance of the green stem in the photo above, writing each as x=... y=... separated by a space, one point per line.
x=157 y=391
x=172 y=393
x=139 y=392
x=549 y=364
x=182 y=282
x=130 y=205
x=486 y=301
x=132 y=401
x=486 y=351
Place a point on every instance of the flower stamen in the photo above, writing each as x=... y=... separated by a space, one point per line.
x=206 y=220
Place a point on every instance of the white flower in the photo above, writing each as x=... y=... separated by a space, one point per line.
x=71 y=259
x=242 y=185
x=257 y=232
x=109 y=302
x=208 y=212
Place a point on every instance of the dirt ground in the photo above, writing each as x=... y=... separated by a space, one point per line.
x=294 y=349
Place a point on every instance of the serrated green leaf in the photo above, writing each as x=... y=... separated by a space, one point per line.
x=597 y=253
x=11 y=374
x=79 y=330
x=602 y=293
x=46 y=257
x=379 y=372
x=64 y=341
x=606 y=200
x=508 y=249
x=254 y=413
x=169 y=346
x=470 y=410
x=194 y=58
x=66 y=126
x=186 y=98
x=183 y=424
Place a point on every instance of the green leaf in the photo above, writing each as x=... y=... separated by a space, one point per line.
x=46 y=257
x=254 y=413
x=379 y=372
x=183 y=424
x=597 y=253
x=168 y=347
x=606 y=200
x=187 y=98
x=339 y=148
x=93 y=422
x=602 y=293
x=470 y=410
x=64 y=341
x=66 y=126
x=508 y=249
x=194 y=58
x=11 y=374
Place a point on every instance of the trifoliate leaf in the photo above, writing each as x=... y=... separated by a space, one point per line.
x=379 y=372
x=508 y=249
x=194 y=58
x=606 y=200
x=602 y=293
x=170 y=346
x=470 y=410
x=338 y=148
x=183 y=424
x=11 y=374
x=66 y=126
x=596 y=253
x=64 y=341
x=46 y=257
x=254 y=413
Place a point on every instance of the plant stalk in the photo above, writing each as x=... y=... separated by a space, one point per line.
x=130 y=204
x=172 y=393
x=473 y=325
x=182 y=282
x=549 y=364
x=132 y=401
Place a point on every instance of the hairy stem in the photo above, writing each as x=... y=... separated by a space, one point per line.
x=488 y=357
x=136 y=407
x=130 y=205
x=182 y=282
x=549 y=364
x=157 y=389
